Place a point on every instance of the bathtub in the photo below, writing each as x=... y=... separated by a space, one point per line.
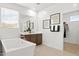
x=17 y=47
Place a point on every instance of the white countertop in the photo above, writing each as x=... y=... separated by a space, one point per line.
x=26 y=33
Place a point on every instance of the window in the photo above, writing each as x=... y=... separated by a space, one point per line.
x=74 y=18
x=9 y=18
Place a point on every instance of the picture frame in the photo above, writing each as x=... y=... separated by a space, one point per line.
x=55 y=19
x=46 y=24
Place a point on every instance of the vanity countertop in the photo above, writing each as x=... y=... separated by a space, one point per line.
x=26 y=33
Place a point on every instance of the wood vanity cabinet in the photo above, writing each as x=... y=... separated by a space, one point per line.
x=39 y=39
x=27 y=37
x=35 y=38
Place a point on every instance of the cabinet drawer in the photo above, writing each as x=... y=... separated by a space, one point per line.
x=28 y=37
x=33 y=38
x=39 y=39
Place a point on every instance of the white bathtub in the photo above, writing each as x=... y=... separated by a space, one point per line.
x=18 y=47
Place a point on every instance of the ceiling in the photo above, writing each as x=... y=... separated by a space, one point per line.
x=36 y=6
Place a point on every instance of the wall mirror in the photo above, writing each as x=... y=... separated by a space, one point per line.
x=24 y=23
x=29 y=24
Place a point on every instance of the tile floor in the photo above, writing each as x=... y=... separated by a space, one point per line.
x=69 y=50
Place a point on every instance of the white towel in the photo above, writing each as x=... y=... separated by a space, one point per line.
x=52 y=27
x=56 y=27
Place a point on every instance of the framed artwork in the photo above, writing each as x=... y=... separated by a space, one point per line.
x=55 y=18
x=46 y=24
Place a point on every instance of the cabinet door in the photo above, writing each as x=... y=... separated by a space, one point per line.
x=28 y=37
x=33 y=38
x=39 y=39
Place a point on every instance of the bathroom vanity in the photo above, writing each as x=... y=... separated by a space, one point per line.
x=32 y=37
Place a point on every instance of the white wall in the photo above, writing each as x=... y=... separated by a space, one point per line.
x=73 y=32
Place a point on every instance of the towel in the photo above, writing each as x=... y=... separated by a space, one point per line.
x=56 y=27
x=52 y=27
